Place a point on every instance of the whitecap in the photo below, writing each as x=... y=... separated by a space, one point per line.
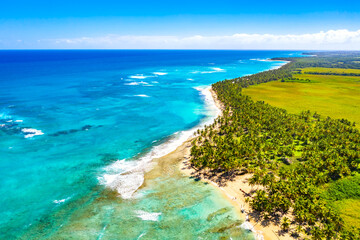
x=132 y=83
x=139 y=76
x=214 y=70
x=125 y=184
x=160 y=73
x=155 y=82
x=136 y=83
x=31 y=132
x=61 y=200
x=125 y=177
x=147 y=216
x=19 y=121
x=190 y=79
x=141 y=95
x=218 y=69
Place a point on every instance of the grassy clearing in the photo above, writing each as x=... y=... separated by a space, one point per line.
x=349 y=210
x=330 y=70
x=328 y=95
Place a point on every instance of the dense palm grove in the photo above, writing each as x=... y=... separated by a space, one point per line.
x=290 y=155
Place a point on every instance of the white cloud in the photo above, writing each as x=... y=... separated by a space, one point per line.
x=334 y=39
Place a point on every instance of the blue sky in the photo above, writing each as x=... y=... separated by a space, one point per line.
x=179 y=24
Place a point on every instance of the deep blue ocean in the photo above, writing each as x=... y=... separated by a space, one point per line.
x=78 y=130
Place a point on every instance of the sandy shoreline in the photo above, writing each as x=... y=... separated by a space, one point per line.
x=234 y=190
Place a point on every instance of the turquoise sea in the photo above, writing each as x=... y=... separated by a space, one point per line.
x=79 y=130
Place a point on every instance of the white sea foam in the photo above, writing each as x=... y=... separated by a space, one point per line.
x=247 y=226
x=141 y=95
x=214 y=70
x=147 y=216
x=61 y=200
x=155 y=82
x=160 y=73
x=137 y=83
x=31 y=132
x=276 y=67
x=139 y=76
x=132 y=83
x=218 y=69
x=19 y=121
x=280 y=65
x=126 y=177
x=190 y=79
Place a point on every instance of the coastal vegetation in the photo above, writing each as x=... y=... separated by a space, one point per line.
x=307 y=163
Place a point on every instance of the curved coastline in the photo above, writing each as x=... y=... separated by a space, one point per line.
x=235 y=190
x=176 y=151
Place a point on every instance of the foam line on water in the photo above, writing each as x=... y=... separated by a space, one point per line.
x=160 y=73
x=132 y=83
x=139 y=76
x=214 y=70
x=141 y=95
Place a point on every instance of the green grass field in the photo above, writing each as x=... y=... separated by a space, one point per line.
x=328 y=95
x=330 y=70
x=344 y=196
x=349 y=211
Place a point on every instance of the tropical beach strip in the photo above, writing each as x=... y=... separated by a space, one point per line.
x=294 y=175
